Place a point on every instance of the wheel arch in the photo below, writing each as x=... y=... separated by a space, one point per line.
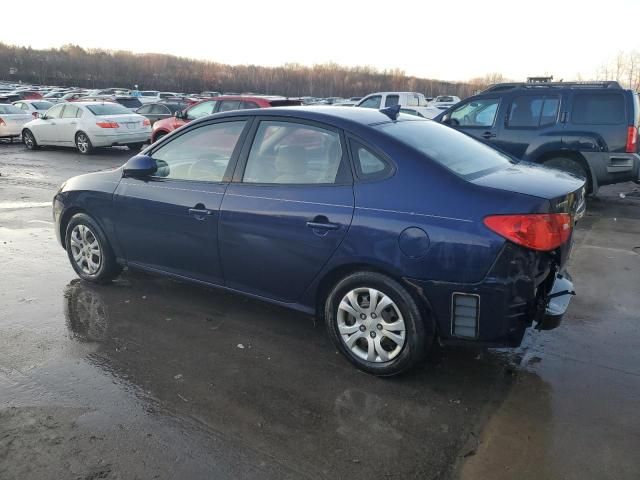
x=575 y=156
x=333 y=276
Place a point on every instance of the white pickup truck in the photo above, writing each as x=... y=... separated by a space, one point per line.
x=410 y=102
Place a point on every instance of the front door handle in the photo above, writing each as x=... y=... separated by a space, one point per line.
x=488 y=135
x=199 y=211
x=322 y=223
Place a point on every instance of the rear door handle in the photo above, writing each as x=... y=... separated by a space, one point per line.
x=321 y=222
x=488 y=135
x=199 y=211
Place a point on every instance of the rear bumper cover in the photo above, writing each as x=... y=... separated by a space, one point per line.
x=523 y=288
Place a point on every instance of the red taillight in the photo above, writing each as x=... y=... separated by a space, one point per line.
x=632 y=139
x=108 y=124
x=536 y=231
x=146 y=122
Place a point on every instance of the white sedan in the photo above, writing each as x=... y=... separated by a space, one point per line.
x=34 y=107
x=12 y=120
x=87 y=125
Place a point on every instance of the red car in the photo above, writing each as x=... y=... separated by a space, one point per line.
x=223 y=103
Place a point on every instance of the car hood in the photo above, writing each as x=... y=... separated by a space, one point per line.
x=531 y=179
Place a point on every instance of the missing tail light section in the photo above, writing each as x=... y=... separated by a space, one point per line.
x=465 y=315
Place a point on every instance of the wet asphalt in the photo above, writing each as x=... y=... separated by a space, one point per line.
x=151 y=378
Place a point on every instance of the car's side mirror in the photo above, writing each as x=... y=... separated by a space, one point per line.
x=139 y=166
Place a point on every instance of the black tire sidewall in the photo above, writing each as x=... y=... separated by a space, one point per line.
x=574 y=164
x=418 y=338
x=33 y=138
x=108 y=267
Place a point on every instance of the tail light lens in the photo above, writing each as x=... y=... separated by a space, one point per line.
x=107 y=124
x=542 y=232
x=632 y=139
x=146 y=122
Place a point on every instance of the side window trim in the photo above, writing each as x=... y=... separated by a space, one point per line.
x=243 y=158
x=226 y=178
x=353 y=142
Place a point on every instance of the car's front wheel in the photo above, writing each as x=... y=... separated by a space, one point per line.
x=29 y=140
x=376 y=323
x=83 y=143
x=89 y=251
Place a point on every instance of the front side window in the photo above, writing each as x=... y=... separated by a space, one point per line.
x=54 y=112
x=598 y=109
x=201 y=154
x=476 y=113
x=70 y=111
x=201 y=110
x=372 y=102
x=292 y=153
x=391 y=100
x=228 y=105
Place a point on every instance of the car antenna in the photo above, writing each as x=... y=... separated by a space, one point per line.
x=391 y=112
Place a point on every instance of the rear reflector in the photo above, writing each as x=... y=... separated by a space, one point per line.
x=536 y=231
x=465 y=312
x=632 y=139
x=107 y=124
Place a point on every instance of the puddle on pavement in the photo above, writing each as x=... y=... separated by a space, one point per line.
x=19 y=205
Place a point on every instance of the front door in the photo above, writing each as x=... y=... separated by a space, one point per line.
x=478 y=117
x=288 y=209
x=47 y=128
x=169 y=221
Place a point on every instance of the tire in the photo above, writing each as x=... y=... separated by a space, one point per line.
x=381 y=333
x=159 y=137
x=569 y=165
x=136 y=147
x=29 y=140
x=89 y=251
x=83 y=143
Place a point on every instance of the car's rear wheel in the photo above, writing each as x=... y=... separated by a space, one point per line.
x=29 y=140
x=83 y=144
x=89 y=251
x=569 y=165
x=376 y=323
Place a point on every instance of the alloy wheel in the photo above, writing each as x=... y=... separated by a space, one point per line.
x=85 y=249
x=371 y=325
x=82 y=142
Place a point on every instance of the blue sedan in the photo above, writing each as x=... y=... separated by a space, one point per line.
x=395 y=229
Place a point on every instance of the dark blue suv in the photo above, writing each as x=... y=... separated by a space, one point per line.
x=589 y=129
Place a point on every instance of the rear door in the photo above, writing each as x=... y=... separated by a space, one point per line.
x=531 y=117
x=287 y=210
x=477 y=117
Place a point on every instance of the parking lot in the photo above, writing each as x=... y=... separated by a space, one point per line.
x=151 y=378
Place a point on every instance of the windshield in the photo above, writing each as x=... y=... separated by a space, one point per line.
x=107 y=109
x=9 y=109
x=454 y=150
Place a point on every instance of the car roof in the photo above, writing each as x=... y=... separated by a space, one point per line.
x=347 y=118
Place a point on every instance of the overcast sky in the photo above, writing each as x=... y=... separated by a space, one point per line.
x=450 y=40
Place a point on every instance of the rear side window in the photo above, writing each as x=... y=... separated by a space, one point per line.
x=292 y=153
x=160 y=110
x=454 y=150
x=598 y=109
x=246 y=105
x=391 y=100
x=228 y=105
x=368 y=164
x=533 y=111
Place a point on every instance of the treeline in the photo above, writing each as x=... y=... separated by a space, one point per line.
x=72 y=65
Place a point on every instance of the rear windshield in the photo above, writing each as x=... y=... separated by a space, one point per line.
x=454 y=150
x=107 y=109
x=42 y=105
x=129 y=102
x=9 y=109
x=149 y=94
x=284 y=103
